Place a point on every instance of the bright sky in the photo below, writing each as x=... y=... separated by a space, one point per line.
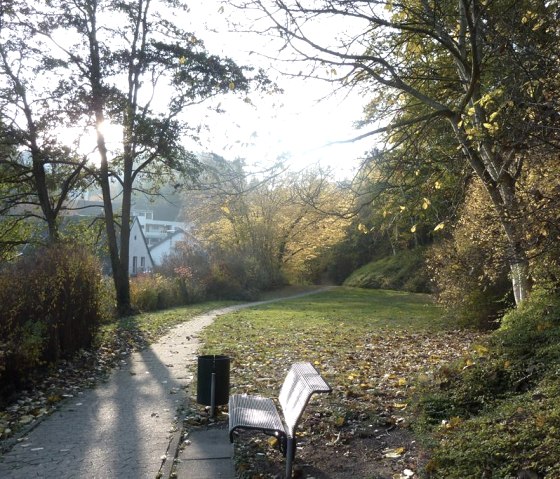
x=296 y=123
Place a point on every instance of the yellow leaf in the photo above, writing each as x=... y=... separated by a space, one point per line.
x=482 y=350
x=231 y=85
x=394 y=453
x=437 y=185
x=538 y=25
x=413 y=229
x=493 y=116
x=182 y=60
x=339 y=421
x=272 y=441
x=440 y=226
x=540 y=421
x=426 y=204
x=225 y=209
x=543 y=327
x=402 y=382
x=399 y=405
x=402 y=208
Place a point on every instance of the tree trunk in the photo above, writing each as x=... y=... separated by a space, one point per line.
x=120 y=275
x=501 y=187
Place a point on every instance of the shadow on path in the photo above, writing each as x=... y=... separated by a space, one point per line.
x=122 y=428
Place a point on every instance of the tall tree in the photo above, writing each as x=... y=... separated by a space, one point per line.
x=487 y=69
x=128 y=63
x=39 y=173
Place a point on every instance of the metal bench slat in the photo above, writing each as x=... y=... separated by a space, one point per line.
x=253 y=412
x=257 y=412
x=302 y=381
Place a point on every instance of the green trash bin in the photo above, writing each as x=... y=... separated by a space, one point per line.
x=213 y=380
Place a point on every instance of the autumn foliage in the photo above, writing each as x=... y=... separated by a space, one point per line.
x=49 y=308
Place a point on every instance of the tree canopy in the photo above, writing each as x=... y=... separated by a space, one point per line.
x=83 y=64
x=481 y=73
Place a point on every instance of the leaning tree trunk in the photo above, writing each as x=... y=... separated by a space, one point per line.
x=501 y=186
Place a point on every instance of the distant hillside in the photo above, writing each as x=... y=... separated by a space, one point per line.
x=405 y=271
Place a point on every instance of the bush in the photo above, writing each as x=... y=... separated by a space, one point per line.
x=50 y=312
x=469 y=283
x=532 y=331
x=151 y=292
x=219 y=274
x=405 y=271
x=470 y=270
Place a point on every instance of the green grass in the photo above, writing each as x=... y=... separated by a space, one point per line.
x=344 y=329
x=153 y=325
x=370 y=345
x=356 y=308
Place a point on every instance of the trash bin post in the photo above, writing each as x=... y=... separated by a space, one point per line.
x=213 y=381
x=213 y=396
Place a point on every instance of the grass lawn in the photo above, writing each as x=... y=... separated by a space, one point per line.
x=152 y=325
x=372 y=346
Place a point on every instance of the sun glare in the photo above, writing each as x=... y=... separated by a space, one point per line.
x=84 y=142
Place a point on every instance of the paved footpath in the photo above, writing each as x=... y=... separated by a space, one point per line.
x=124 y=428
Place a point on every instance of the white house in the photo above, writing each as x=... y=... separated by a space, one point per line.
x=140 y=259
x=161 y=249
x=156 y=231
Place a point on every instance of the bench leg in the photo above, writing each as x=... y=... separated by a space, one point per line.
x=290 y=453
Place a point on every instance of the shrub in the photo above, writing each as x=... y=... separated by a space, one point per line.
x=469 y=283
x=470 y=270
x=150 y=292
x=219 y=274
x=50 y=312
x=531 y=332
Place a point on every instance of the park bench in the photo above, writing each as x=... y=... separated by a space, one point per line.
x=260 y=413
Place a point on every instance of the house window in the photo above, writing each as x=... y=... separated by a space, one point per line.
x=134 y=264
x=142 y=263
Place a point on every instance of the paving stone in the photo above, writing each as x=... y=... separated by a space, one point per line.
x=123 y=428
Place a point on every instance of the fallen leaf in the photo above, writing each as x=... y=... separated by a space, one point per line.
x=394 y=453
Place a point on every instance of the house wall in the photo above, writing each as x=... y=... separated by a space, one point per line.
x=156 y=231
x=162 y=249
x=140 y=260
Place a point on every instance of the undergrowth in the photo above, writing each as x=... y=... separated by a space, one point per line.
x=495 y=413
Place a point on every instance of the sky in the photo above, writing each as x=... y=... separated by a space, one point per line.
x=297 y=123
